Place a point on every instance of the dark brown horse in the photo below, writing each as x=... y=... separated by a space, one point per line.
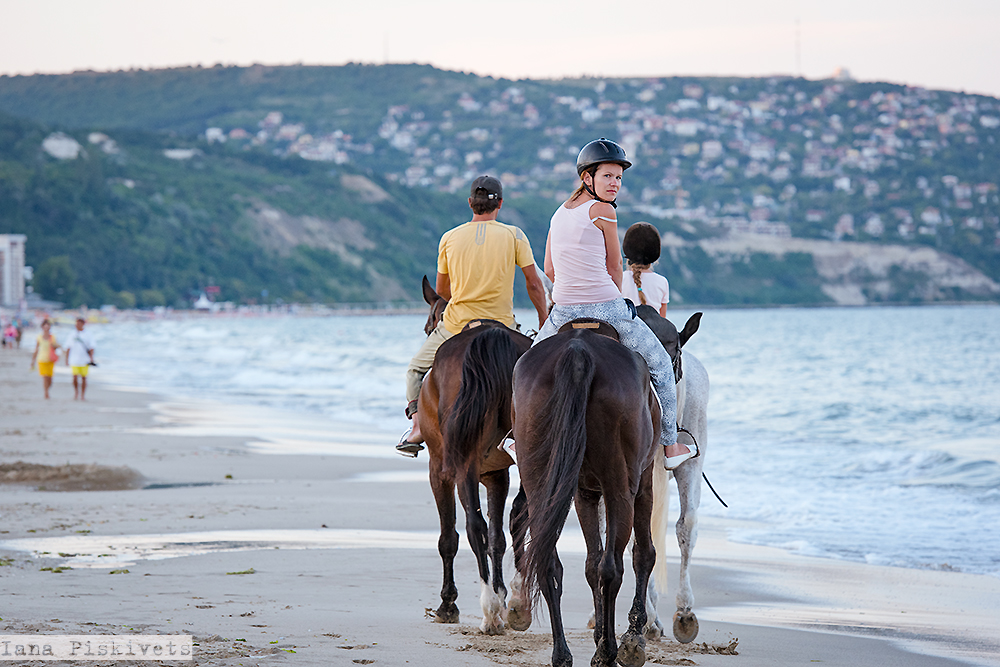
x=586 y=427
x=464 y=413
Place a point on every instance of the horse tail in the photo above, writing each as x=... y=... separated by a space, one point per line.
x=660 y=523
x=485 y=389
x=563 y=432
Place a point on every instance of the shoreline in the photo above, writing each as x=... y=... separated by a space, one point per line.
x=335 y=603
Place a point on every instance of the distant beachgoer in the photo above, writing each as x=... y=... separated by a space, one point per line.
x=10 y=335
x=477 y=262
x=642 y=248
x=45 y=354
x=80 y=357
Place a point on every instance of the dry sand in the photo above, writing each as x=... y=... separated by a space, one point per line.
x=175 y=517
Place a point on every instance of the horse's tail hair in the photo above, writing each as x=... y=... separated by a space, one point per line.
x=659 y=523
x=484 y=395
x=564 y=428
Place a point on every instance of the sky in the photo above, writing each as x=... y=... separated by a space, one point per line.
x=930 y=43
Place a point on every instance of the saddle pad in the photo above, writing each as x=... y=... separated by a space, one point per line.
x=472 y=324
x=597 y=326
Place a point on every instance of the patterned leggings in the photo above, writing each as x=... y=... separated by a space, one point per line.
x=634 y=335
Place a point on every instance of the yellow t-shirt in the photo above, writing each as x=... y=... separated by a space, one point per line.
x=45 y=348
x=480 y=259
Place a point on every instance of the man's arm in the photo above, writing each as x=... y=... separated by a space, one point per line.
x=443 y=286
x=536 y=292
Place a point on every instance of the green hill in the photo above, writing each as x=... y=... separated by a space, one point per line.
x=334 y=183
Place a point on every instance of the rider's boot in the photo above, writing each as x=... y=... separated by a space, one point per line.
x=409 y=444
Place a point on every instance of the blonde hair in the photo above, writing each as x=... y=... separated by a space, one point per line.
x=637 y=270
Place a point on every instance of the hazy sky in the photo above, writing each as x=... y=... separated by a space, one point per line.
x=933 y=43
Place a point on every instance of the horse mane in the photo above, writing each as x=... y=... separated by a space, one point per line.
x=565 y=427
x=483 y=395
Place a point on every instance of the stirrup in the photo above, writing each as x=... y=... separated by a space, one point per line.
x=672 y=462
x=407 y=448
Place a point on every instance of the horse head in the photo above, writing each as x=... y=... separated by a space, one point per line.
x=667 y=333
x=437 y=304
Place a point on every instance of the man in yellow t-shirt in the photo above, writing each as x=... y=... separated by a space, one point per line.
x=477 y=262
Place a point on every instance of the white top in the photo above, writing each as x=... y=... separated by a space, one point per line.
x=654 y=286
x=580 y=258
x=77 y=345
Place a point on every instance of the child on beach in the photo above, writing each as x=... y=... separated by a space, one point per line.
x=639 y=284
x=45 y=354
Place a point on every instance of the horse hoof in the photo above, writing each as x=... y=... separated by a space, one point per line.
x=632 y=651
x=685 y=627
x=518 y=617
x=492 y=628
x=654 y=631
x=446 y=613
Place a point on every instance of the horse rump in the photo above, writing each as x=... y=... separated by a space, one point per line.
x=551 y=442
x=484 y=394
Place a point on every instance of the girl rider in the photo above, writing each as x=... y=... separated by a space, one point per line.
x=583 y=260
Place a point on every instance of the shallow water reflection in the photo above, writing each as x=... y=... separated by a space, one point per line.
x=111 y=551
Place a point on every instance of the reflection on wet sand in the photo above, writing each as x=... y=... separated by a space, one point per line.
x=111 y=551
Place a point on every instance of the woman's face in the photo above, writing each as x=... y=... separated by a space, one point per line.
x=45 y=327
x=607 y=181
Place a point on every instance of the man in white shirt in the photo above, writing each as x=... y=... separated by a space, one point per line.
x=80 y=357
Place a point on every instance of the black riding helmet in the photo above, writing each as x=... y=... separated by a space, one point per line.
x=596 y=153
x=641 y=244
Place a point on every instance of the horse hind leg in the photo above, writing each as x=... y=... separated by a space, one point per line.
x=444 y=495
x=477 y=531
x=493 y=593
x=632 y=651
x=519 y=611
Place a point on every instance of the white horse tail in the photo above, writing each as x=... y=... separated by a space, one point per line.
x=659 y=523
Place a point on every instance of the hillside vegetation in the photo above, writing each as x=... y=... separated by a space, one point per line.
x=334 y=183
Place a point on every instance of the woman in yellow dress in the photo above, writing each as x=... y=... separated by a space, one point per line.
x=46 y=355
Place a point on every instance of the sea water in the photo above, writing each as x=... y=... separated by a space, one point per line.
x=864 y=434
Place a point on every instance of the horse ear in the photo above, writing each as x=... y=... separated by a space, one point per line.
x=690 y=328
x=430 y=296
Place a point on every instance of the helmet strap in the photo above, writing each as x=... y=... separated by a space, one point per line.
x=594 y=194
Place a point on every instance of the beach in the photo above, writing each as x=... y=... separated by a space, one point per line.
x=269 y=553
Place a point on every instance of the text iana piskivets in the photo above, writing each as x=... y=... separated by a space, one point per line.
x=96 y=647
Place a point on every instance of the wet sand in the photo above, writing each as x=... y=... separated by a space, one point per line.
x=327 y=555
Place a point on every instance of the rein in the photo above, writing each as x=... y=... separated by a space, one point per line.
x=681 y=429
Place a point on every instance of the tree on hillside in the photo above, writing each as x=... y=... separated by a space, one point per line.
x=55 y=279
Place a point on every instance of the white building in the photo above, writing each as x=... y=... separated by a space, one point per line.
x=12 y=268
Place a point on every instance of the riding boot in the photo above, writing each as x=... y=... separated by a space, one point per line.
x=409 y=444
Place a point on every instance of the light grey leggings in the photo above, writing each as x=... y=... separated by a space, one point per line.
x=634 y=335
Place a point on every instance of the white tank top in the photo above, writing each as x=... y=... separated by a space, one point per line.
x=579 y=258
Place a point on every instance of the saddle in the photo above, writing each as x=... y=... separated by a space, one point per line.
x=600 y=327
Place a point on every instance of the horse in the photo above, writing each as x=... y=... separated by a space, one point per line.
x=586 y=424
x=464 y=413
x=692 y=420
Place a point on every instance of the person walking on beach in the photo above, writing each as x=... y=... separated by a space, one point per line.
x=640 y=284
x=45 y=354
x=475 y=273
x=80 y=357
x=583 y=260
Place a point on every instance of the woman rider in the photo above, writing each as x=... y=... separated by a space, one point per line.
x=583 y=260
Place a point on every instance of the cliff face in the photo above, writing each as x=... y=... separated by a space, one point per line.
x=857 y=274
